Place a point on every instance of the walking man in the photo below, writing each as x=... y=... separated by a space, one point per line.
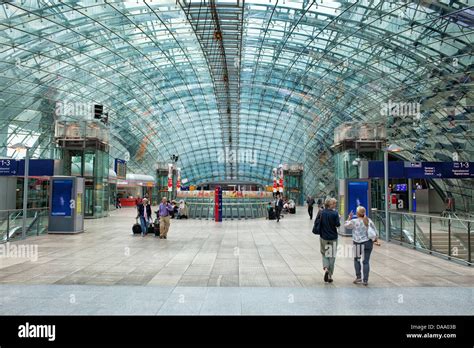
x=328 y=237
x=278 y=207
x=310 y=201
x=164 y=211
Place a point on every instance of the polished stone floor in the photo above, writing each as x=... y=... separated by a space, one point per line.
x=247 y=267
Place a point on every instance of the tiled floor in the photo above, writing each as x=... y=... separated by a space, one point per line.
x=233 y=267
x=166 y=300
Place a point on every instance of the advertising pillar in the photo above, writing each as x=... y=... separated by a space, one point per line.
x=66 y=213
x=218 y=204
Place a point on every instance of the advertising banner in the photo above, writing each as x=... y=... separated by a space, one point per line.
x=280 y=188
x=275 y=185
x=178 y=180
x=170 y=177
x=358 y=194
x=61 y=198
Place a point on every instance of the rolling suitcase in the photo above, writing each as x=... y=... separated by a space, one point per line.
x=156 y=228
x=136 y=229
x=150 y=229
x=271 y=215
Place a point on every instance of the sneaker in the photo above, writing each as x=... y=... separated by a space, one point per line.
x=365 y=283
x=330 y=280
x=326 y=276
x=357 y=281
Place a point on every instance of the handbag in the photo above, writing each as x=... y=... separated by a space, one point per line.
x=317 y=224
x=371 y=231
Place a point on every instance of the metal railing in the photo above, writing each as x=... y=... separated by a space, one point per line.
x=11 y=223
x=443 y=236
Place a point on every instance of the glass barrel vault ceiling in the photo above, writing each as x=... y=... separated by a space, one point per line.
x=212 y=80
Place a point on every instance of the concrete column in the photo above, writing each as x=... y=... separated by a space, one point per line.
x=7 y=192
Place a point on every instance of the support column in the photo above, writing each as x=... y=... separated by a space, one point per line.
x=410 y=195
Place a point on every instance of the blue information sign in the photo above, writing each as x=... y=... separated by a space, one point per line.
x=37 y=167
x=423 y=170
x=8 y=167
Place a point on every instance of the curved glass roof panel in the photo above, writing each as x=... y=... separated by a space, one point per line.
x=237 y=87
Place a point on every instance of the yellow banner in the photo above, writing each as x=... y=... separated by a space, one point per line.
x=79 y=203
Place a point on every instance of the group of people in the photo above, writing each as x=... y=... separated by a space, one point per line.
x=279 y=206
x=364 y=235
x=166 y=211
x=327 y=222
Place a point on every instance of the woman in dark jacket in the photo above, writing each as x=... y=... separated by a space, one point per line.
x=144 y=213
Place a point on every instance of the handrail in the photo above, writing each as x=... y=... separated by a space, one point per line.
x=422 y=238
x=417 y=236
x=21 y=210
x=10 y=232
x=456 y=218
x=422 y=215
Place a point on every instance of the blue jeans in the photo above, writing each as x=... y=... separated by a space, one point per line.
x=364 y=249
x=144 y=225
x=328 y=249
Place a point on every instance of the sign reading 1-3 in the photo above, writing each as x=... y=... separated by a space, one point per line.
x=8 y=167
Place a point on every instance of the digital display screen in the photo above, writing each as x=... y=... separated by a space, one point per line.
x=401 y=187
x=61 y=198
x=120 y=168
x=358 y=194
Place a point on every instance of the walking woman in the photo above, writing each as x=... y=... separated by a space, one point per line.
x=363 y=235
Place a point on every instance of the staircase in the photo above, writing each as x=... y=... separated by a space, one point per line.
x=440 y=243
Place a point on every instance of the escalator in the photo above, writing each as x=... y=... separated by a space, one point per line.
x=12 y=227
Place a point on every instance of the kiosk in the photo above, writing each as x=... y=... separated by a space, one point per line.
x=66 y=213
